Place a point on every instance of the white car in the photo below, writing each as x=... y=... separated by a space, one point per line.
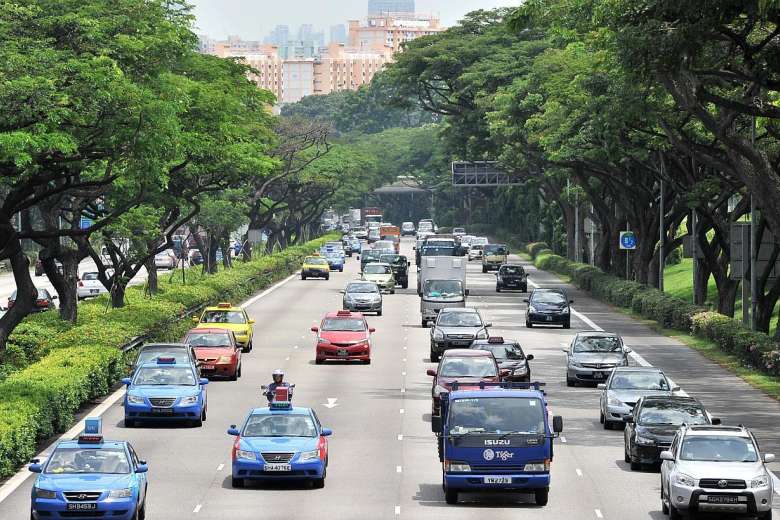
x=475 y=252
x=165 y=259
x=89 y=286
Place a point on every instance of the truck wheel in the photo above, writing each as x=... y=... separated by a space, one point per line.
x=450 y=495
x=541 y=496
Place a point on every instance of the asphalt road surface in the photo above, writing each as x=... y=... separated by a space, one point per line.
x=383 y=461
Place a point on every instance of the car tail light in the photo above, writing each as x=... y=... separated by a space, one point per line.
x=81 y=284
x=42 y=303
x=11 y=303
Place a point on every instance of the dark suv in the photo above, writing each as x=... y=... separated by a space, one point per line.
x=511 y=276
x=548 y=307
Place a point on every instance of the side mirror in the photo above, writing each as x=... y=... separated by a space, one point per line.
x=667 y=455
x=467 y=292
x=195 y=319
x=142 y=468
x=571 y=301
x=126 y=381
x=436 y=423
x=504 y=373
x=715 y=421
x=315 y=329
x=627 y=350
x=326 y=432
x=676 y=389
x=233 y=431
x=203 y=381
x=529 y=357
x=431 y=372
x=343 y=291
x=525 y=300
x=371 y=330
x=35 y=467
x=564 y=350
x=251 y=321
x=769 y=457
x=489 y=324
x=601 y=386
x=54 y=297
x=628 y=419
x=557 y=424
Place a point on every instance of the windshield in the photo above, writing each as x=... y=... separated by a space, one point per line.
x=476 y=247
x=376 y=269
x=147 y=355
x=223 y=317
x=658 y=413
x=315 y=261
x=459 y=230
x=479 y=241
x=362 y=288
x=208 y=339
x=443 y=288
x=297 y=425
x=495 y=249
x=164 y=375
x=345 y=324
x=481 y=366
x=504 y=352
x=89 y=276
x=511 y=270
x=438 y=251
x=393 y=259
x=638 y=381
x=88 y=460
x=496 y=415
x=714 y=448
x=598 y=344
x=459 y=319
x=371 y=256
x=549 y=298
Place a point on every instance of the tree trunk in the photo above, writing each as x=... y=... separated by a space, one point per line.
x=151 y=280
x=65 y=284
x=118 y=291
x=702 y=279
x=25 y=289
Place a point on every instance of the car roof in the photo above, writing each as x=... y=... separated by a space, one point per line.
x=486 y=343
x=502 y=392
x=706 y=429
x=280 y=411
x=218 y=308
x=74 y=443
x=550 y=289
x=638 y=369
x=378 y=263
x=154 y=364
x=344 y=315
x=164 y=345
x=598 y=333
x=670 y=399
x=466 y=352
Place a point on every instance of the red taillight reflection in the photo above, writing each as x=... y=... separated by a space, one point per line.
x=42 y=303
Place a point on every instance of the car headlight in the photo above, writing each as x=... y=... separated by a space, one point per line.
x=437 y=334
x=520 y=370
x=120 y=493
x=565 y=310
x=531 y=309
x=612 y=401
x=225 y=359
x=456 y=467
x=482 y=334
x=646 y=441
x=575 y=363
x=322 y=340
x=243 y=454
x=135 y=399
x=438 y=389
x=309 y=455
x=537 y=466
x=44 y=493
x=684 y=480
x=760 y=481
x=192 y=399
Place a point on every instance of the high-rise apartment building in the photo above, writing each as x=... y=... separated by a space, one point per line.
x=382 y=7
x=280 y=35
x=391 y=31
x=338 y=33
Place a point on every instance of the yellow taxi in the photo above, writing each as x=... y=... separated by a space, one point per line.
x=315 y=267
x=225 y=316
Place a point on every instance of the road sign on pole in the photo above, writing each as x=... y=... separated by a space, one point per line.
x=627 y=240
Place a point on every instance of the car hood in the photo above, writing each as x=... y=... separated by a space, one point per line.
x=512 y=364
x=460 y=330
x=84 y=481
x=236 y=327
x=631 y=396
x=446 y=381
x=598 y=357
x=548 y=306
x=730 y=470
x=203 y=352
x=163 y=391
x=377 y=277
x=279 y=444
x=363 y=296
x=660 y=432
x=341 y=336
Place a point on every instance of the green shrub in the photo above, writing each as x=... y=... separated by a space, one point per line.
x=535 y=247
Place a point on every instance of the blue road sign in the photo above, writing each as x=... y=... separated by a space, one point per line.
x=627 y=240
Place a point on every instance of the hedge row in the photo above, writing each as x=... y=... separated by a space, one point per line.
x=755 y=349
x=82 y=363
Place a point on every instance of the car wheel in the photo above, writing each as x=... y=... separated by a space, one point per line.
x=303 y=277
x=767 y=515
x=601 y=417
x=626 y=456
x=635 y=466
x=392 y=291
x=434 y=357
x=142 y=511
x=498 y=288
x=424 y=323
x=450 y=495
x=234 y=377
x=541 y=496
x=664 y=506
x=405 y=285
x=318 y=361
x=484 y=269
x=378 y=313
x=341 y=270
x=440 y=447
x=570 y=382
x=674 y=513
x=319 y=483
x=327 y=277
x=567 y=325
x=524 y=288
x=237 y=482
x=607 y=424
x=529 y=325
x=367 y=362
x=129 y=423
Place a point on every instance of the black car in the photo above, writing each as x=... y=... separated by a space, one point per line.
x=509 y=356
x=548 y=307
x=400 y=266
x=654 y=422
x=511 y=276
x=44 y=301
x=369 y=257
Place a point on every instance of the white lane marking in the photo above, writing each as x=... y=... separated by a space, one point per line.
x=268 y=291
x=287 y=358
x=397 y=510
x=403 y=373
x=401 y=410
x=404 y=347
x=197 y=508
x=219 y=468
x=400 y=437
x=331 y=402
x=579 y=472
x=598 y=513
x=398 y=469
x=563 y=439
x=296 y=346
x=403 y=390
x=404 y=360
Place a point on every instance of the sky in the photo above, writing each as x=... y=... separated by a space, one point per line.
x=253 y=19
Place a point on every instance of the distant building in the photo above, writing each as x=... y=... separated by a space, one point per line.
x=391 y=31
x=338 y=33
x=381 y=7
x=280 y=35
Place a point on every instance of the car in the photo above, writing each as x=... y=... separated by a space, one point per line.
x=217 y=351
x=369 y=256
x=494 y=256
x=89 y=285
x=165 y=390
x=373 y=234
x=226 y=316
x=653 y=423
x=360 y=232
x=39 y=267
x=717 y=469
x=509 y=356
x=467 y=367
x=343 y=336
x=456 y=327
x=624 y=388
x=400 y=266
x=385 y=246
x=195 y=257
x=549 y=307
x=407 y=228
x=43 y=302
x=165 y=259
x=475 y=252
x=279 y=443
x=511 y=277
x=3 y=310
x=592 y=355
x=335 y=260
x=90 y=477
x=381 y=274
x=354 y=245
x=363 y=297
x=315 y=267
x=465 y=240
x=459 y=231
x=181 y=352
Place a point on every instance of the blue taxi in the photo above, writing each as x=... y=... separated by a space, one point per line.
x=280 y=442
x=334 y=256
x=165 y=390
x=90 y=477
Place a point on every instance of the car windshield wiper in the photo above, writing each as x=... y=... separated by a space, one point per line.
x=516 y=432
x=459 y=430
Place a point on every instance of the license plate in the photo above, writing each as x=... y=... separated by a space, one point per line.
x=342 y=352
x=598 y=375
x=722 y=499
x=94 y=291
x=549 y=318
x=162 y=411
x=207 y=367
x=498 y=480
x=82 y=507
x=277 y=467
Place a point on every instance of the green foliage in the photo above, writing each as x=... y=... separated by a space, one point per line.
x=535 y=247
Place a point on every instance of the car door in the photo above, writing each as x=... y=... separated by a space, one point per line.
x=667 y=466
x=603 y=397
x=142 y=481
x=630 y=428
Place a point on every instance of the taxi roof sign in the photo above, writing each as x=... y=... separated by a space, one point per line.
x=495 y=339
x=93 y=431
x=166 y=360
x=224 y=305
x=344 y=313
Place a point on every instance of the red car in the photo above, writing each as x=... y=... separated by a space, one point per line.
x=467 y=367
x=217 y=352
x=343 y=335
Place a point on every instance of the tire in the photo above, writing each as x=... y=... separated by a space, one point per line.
x=142 y=511
x=239 y=371
x=541 y=496
x=607 y=424
x=319 y=483
x=450 y=496
x=392 y=291
x=367 y=362
x=484 y=269
x=378 y=313
x=341 y=270
x=234 y=377
x=524 y=288
x=434 y=357
x=405 y=285
x=635 y=466
x=626 y=456
x=197 y=423
x=498 y=288
x=424 y=323
x=570 y=382
x=440 y=447
x=327 y=277
x=318 y=361
x=664 y=507
x=129 y=423
x=529 y=325
x=303 y=276
x=767 y=515
x=567 y=325
x=601 y=418
x=237 y=482
x=674 y=513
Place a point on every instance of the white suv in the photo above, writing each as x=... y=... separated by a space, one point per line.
x=715 y=469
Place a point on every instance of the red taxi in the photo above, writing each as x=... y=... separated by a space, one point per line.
x=217 y=351
x=345 y=336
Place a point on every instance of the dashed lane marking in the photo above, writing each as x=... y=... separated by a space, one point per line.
x=219 y=468
x=197 y=508
x=598 y=513
x=579 y=472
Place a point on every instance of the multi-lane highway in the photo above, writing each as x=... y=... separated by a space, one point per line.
x=383 y=460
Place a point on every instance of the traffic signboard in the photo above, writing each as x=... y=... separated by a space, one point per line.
x=627 y=240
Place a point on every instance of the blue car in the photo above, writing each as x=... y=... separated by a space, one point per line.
x=165 y=390
x=90 y=477
x=335 y=261
x=280 y=443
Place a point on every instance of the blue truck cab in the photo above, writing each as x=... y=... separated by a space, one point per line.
x=496 y=437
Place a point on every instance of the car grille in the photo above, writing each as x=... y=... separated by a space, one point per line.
x=724 y=483
x=498 y=468
x=82 y=496
x=277 y=457
x=460 y=336
x=208 y=359
x=162 y=402
x=598 y=365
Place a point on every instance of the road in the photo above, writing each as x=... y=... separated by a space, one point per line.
x=383 y=461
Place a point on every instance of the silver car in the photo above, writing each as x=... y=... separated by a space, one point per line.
x=715 y=469
x=90 y=285
x=363 y=297
x=624 y=388
x=456 y=328
x=591 y=356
